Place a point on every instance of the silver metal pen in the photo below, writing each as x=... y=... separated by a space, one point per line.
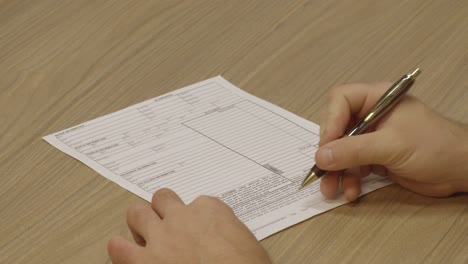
x=390 y=98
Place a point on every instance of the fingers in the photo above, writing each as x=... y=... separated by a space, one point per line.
x=164 y=200
x=140 y=218
x=330 y=184
x=355 y=151
x=351 y=182
x=345 y=104
x=345 y=101
x=122 y=251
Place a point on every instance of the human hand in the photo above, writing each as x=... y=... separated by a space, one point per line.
x=168 y=231
x=413 y=145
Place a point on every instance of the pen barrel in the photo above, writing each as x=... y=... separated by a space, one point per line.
x=385 y=103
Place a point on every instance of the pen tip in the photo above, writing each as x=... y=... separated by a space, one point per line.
x=310 y=178
x=415 y=73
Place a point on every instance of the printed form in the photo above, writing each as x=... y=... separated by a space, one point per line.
x=210 y=138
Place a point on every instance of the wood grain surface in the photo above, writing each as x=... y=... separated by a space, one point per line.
x=63 y=62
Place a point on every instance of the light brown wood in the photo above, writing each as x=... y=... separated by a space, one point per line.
x=66 y=62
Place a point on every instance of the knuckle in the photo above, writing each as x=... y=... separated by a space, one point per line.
x=208 y=200
x=113 y=245
x=165 y=192
x=333 y=93
x=204 y=199
x=209 y=203
x=339 y=90
x=134 y=211
x=162 y=193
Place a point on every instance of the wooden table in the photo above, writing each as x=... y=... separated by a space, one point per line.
x=66 y=62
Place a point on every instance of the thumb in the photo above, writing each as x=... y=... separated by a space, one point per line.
x=349 y=152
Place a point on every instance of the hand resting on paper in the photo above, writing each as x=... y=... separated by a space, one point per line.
x=168 y=231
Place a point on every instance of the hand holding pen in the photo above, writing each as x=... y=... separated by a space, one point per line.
x=403 y=145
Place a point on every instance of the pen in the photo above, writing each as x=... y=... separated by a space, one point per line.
x=388 y=100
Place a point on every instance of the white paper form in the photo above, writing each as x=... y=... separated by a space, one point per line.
x=210 y=138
